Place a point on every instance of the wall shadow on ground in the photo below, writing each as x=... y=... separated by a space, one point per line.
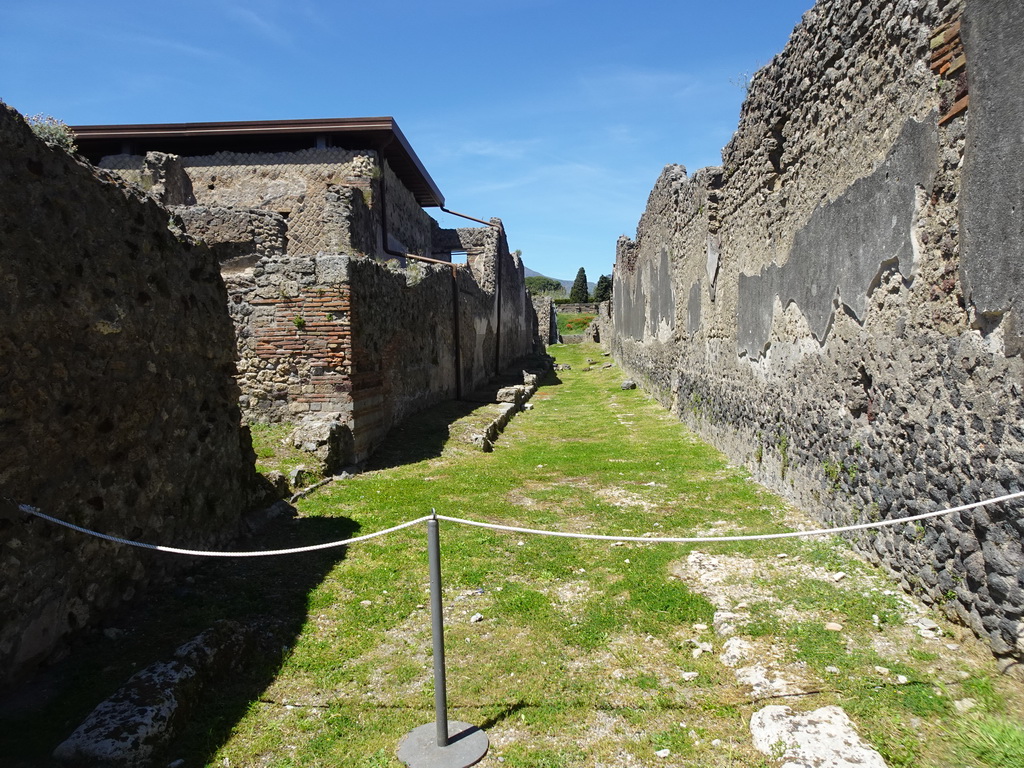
x=268 y=594
x=425 y=435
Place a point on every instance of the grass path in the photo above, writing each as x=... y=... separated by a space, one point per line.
x=592 y=654
x=587 y=653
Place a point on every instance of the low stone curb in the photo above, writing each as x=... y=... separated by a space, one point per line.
x=149 y=710
x=511 y=400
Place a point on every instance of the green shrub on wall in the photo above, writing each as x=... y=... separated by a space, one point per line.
x=54 y=132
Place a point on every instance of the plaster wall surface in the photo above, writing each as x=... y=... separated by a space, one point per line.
x=993 y=176
x=834 y=306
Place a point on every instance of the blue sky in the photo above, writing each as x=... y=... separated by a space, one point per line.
x=555 y=116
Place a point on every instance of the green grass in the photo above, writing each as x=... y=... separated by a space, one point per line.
x=572 y=322
x=274 y=451
x=991 y=741
x=579 y=658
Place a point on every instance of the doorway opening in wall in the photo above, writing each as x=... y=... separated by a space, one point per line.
x=460 y=257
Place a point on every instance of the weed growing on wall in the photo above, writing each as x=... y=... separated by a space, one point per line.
x=54 y=132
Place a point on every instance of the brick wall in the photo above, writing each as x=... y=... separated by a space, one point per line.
x=324 y=332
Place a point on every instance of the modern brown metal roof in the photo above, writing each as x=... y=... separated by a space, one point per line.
x=196 y=139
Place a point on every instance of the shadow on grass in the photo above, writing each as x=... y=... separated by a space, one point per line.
x=268 y=594
x=504 y=714
x=425 y=435
x=422 y=436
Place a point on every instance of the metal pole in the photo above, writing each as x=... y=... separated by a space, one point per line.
x=437 y=628
x=468 y=744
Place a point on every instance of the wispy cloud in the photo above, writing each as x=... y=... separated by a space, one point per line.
x=550 y=176
x=261 y=25
x=174 y=46
x=622 y=134
x=502 y=150
x=633 y=84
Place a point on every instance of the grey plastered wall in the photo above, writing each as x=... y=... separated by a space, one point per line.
x=840 y=254
x=992 y=266
x=849 y=346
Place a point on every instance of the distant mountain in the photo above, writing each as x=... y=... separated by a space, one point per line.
x=567 y=284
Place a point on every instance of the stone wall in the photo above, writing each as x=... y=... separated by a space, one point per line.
x=547 y=320
x=413 y=348
x=237 y=236
x=579 y=308
x=410 y=228
x=365 y=343
x=293 y=319
x=835 y=306
x=337 y=329
x=403 y=344
x=117 y=394
x=503 y=322
x=295 y=185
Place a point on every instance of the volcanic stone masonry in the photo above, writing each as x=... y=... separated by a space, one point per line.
x=837 y=306
x=118 y=388
x=331 y=336
x=118 y=402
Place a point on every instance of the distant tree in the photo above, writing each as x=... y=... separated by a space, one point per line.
x=540 y=285
x=580 y=291
x=603 y=289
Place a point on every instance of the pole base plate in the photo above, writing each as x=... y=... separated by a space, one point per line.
x=467 y=745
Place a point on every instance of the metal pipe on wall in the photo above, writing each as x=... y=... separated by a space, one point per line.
x=456 y=325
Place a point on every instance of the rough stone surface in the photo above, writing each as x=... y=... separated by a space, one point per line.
x=127 y=728
x=117 y=394
x=581 y=308
x=239 y=237
x=824 y=737
x=293 y=184
x=814 y=309
x=328 y=332
x=508 y=401
x=146 y=712
x=547 y=321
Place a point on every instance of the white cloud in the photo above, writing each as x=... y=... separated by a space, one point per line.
x=174 y=46
x=259 y=24
x=644 y=85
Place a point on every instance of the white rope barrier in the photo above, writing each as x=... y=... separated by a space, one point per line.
x=750 y=537
x=211 y=553
x=534 y=531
